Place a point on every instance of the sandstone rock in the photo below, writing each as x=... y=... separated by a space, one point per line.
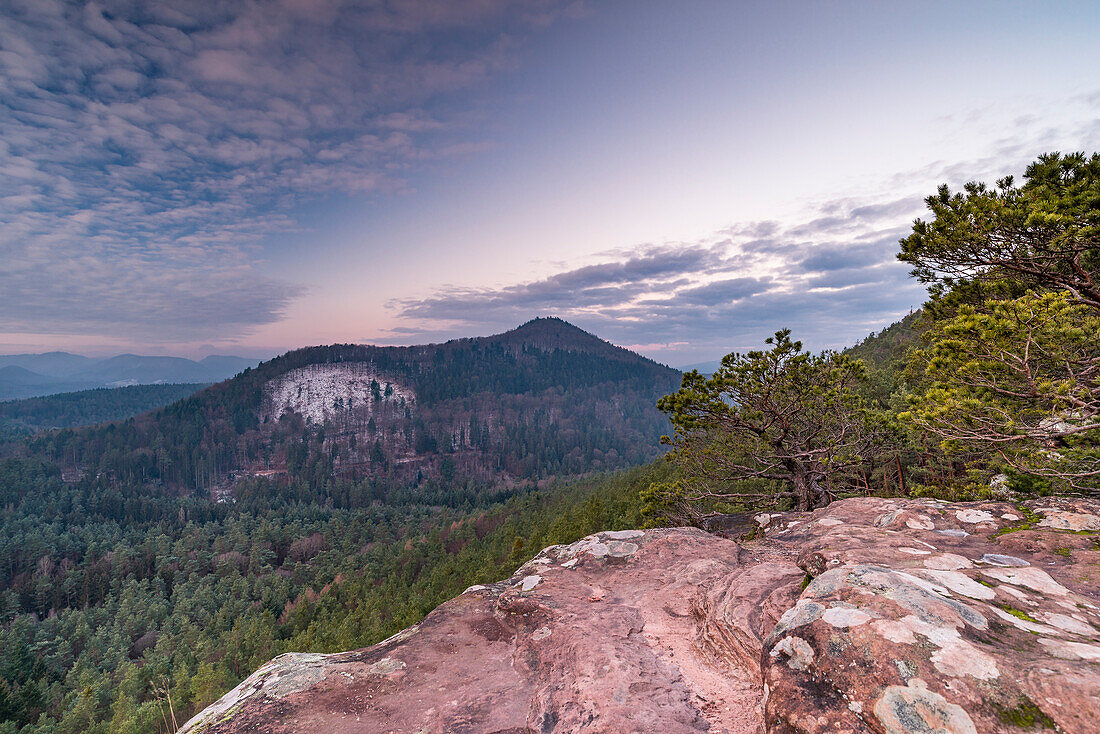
x=871 y=615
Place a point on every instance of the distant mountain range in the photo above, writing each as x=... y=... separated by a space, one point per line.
x=706 y=368
x=32 y=375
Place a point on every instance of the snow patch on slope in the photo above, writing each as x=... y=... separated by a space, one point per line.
x=321 y=391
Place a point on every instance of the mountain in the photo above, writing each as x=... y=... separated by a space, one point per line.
x=51 y=364
x=136 y=369
x=449 y=420
x=706 y=368
x=32 y=375
x=15 y=375
x=551 y=333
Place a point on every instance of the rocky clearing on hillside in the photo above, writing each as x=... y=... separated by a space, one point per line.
x=896 y=616
x=320 y=391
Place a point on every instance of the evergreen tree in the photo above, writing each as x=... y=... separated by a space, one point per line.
x=768 y=426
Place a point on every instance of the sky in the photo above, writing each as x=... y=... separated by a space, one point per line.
x=681 y=178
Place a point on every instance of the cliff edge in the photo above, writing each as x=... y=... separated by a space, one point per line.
x=895 y=616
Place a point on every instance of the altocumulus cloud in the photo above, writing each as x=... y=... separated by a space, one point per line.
x=147 y=149
x=832 y=278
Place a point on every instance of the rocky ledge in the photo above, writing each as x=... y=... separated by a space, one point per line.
x=870 y=615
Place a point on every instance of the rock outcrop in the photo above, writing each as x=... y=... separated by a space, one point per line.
x=352 y=391
x=870 y=615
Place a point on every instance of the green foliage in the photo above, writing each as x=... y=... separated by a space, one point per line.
x=1009 y=381
x=884 y=356
x=781 y=424
x=1017 y=381
x=110 y=590
x=1041 y=235
x=1006 y=383
x=952 y=491
x=66 y=410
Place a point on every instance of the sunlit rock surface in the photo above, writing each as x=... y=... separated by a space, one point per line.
x=871 y=615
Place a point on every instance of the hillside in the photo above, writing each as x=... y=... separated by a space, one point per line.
x=86 y=407
x=19 y=382
x=882 y=349
x=453 y=419
x=886 y=349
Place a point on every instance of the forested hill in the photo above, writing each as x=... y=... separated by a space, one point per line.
x=321 y=501
x=541 y=354
x=887 y=348
x=885 y=354
x=542 y=400
x=86 y=407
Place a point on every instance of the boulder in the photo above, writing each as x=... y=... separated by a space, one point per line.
x=895 y=616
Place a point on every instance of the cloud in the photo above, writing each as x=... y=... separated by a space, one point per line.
x=830 y=275
x=832 y=278
x=148 y=149
x=720 y=292
x=592 y=286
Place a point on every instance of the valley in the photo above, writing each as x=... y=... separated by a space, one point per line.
x=549 y=367
x=322 y=500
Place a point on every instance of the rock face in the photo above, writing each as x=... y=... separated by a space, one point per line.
x=870 y=615
x=319 y=392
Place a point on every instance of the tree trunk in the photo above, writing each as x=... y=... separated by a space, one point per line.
x=804 y=491
x=819 y=497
